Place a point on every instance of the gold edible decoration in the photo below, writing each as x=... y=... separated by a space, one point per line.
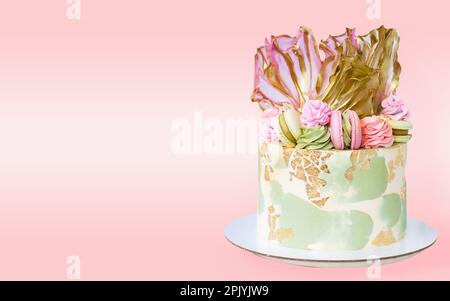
x=401 y=156
x=360 y=159
x=266 y=161
x=385 y=237
x=399 y=161
x=267 y=173
x=306 y=165
x=287 y=152
x=320 y=203
x=391 y=172
x=353 y=86
x=403 y=190
x=365 y=73
x=280 y=233
x=379 y=50
x=357 y=72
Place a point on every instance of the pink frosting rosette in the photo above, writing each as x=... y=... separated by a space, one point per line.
x=376 y=132
x=394 y=108
x=267 y=130
x=315 y=113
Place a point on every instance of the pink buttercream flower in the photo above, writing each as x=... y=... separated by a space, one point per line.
x=315 y=113
x=376 y=132
x=394 y=108
x=267 y=128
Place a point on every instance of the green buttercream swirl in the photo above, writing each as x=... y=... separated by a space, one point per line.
x=346 y=130
x=314 y=138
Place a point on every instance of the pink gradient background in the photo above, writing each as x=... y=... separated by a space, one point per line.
x=86 y=108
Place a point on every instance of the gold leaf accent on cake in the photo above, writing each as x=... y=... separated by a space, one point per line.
x=266 y=161
x=349 y=173
x=403 y=190
x=385 y=237
x=324 y=168
x=320 y=203
x=327 y=156
x=365 y=165
x=360 y=159
x=391 y=172
x=401 y=157
x=354 y=157
x=306 y=165
x=399 y=161
x=267 y=173
x=274 y=233
x=312 y=191
x=312 y=171
x=287 y=152
x=372 y=152
x=281 y=234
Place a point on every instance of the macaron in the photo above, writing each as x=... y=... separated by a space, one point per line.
x=289 y=127
x=345 y=130
x=336 y=132
x=356 y=134
x=400 y=130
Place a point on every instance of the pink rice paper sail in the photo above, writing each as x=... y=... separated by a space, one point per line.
x=286 y=70
x=357 y=72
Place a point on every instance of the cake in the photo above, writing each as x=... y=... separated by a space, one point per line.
x=333 y=141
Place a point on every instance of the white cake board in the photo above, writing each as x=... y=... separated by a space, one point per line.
x=419 y=236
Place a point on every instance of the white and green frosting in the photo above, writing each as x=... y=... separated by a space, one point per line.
x=314 y=138
x=331 y=199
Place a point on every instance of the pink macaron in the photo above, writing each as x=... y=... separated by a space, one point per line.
x=356 y=129
x=336 y=130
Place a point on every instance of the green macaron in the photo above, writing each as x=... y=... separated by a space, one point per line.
x=288 y=127
x=400 y=130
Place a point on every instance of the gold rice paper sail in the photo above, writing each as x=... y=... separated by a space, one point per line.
x=363 y=74
x=379 y=50
x=357 y=72
x=352 y=86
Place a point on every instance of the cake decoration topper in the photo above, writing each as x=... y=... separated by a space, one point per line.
x=394 y=108
x=376 y=132
x=342 y=73
x=286 y=70
x=315 y=113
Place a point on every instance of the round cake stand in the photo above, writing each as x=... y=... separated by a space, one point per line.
x=419 y=236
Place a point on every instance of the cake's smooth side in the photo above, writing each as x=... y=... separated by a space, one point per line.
x=331 y=199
